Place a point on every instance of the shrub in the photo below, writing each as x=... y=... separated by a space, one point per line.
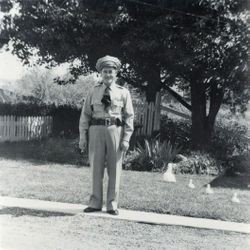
x=229 y=142
x=135 y=161
x=199 y=163
x=229 y=139
x=236 y=165
x=177 y=131
x=152 y=156
x=129 y=158
x=25 y=109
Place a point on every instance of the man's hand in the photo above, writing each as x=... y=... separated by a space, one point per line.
x=124 y=145
x=83 y=144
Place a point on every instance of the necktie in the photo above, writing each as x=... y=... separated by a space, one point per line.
x=106 y=100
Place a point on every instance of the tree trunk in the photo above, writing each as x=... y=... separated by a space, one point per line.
x=198 y=99
x=202 y=124
x=216 y=97
x=154 y=83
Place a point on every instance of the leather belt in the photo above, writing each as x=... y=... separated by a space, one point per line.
x=106 y=121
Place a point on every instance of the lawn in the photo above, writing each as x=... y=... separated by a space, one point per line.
x=142 y=191
x=27 y=229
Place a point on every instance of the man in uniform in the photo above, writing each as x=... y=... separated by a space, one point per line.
x=107 y=121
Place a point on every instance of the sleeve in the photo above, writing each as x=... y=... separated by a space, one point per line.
x=86 y=115
x=128 y=117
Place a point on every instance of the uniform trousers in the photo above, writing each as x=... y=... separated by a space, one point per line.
x=104 y=146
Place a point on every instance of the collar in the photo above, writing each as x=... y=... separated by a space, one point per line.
x=112 y=86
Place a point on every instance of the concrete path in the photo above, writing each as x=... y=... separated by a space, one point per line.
x=136 y=216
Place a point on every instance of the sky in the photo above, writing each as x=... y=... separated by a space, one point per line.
x=10 y=67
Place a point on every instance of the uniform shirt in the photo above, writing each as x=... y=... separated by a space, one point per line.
x=121 y=107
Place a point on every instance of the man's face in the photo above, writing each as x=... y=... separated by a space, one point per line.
x=108 y=75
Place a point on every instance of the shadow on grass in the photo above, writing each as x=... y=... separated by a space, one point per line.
x=236 y=177
x=56 y=150
x=17 y=212
x=239 y=182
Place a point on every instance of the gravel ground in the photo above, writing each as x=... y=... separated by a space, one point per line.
x=23 y=229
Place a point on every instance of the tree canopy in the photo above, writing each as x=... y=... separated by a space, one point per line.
x=200 y=46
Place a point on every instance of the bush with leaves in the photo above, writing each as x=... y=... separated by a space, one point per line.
x=26 y=109
x=42 y=86
x=230 y=135
x=199 y=163
x=131 y=159
x=176 y=131
x=154 y=155
x=230 y=139
x=230 y=144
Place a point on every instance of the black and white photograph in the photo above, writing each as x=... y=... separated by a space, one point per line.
x=124 y=124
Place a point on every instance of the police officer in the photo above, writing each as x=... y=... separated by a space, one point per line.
x=107 y=121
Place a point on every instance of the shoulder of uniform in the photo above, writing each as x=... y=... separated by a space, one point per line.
x=119 y=86
x=124 y=89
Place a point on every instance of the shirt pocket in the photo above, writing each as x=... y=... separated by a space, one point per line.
x=116 y=106
x=98 y=107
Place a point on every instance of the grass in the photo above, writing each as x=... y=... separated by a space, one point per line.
x=26 y=229
x=139 y=190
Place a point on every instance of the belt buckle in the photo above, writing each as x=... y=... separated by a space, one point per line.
x=107 y=121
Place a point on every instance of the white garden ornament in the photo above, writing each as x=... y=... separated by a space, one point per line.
x=191 y=184
x=235 y=198
x=209 y=190
x=168 y=176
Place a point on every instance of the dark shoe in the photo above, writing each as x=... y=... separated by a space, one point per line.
x=113 y=212
x=91 y=210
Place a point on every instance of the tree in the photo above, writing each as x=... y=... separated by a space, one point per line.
x=201 y=46
x=40 y=84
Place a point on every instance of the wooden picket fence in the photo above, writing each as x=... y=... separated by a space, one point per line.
x=147 y=116
x=24 y=128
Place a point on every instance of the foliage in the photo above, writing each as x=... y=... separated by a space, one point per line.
x=177 y=131
x=41 y=86
x=201 y=46
x=65 y=118
x=230 y=139
x=130 y=159
x=230 y=135
x=25 y=109
x=152 y=156
x=199 y=163
x=237 y=165
x=66 y=121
